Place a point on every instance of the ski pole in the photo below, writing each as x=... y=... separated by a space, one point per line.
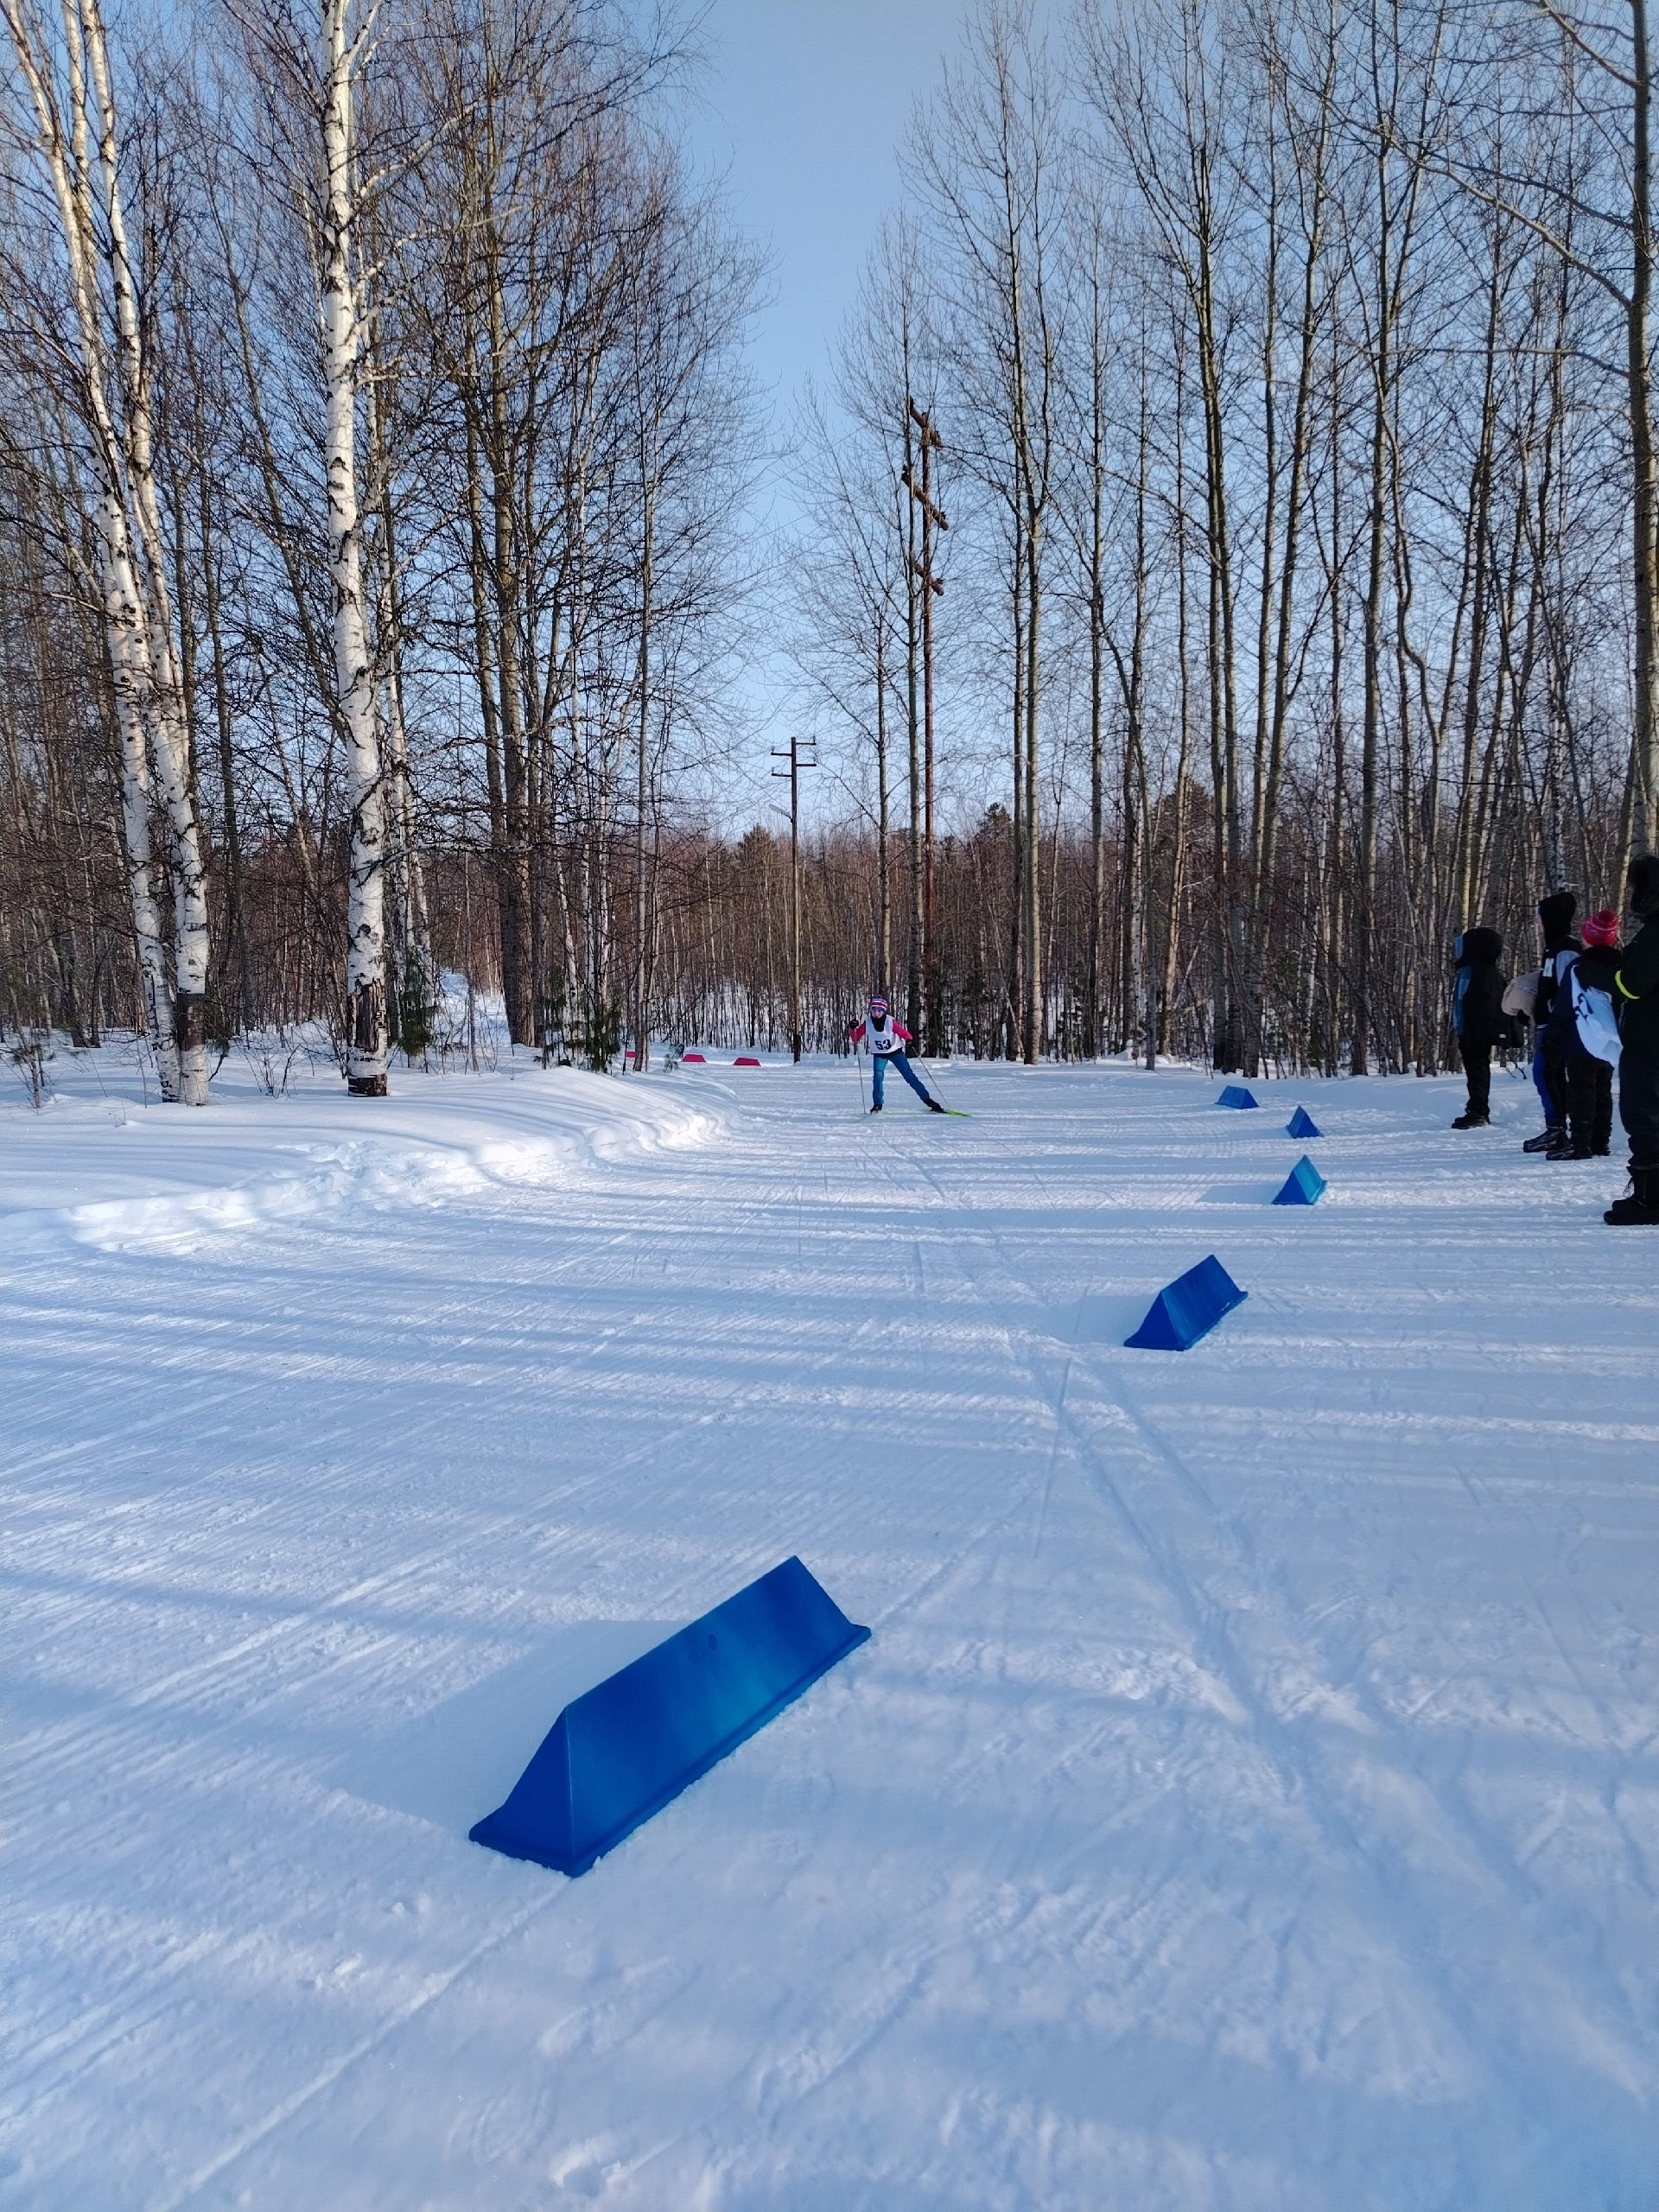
x=932 y=1077
x=859 y=1066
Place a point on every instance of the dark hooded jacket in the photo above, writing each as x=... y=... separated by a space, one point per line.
x=1477 y=1012
x=1631 y=978
x=1555 y=914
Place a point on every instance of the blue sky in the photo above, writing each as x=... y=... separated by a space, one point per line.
x=801 y=106
x=803 y=103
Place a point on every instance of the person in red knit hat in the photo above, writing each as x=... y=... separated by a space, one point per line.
x=1589 y=1131
x=1631 y=978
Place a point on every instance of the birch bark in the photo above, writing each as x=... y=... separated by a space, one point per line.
x=168 y=742
x=365 y=960
x=131 y=570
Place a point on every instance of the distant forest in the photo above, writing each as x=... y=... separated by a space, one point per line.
x=1224 y=561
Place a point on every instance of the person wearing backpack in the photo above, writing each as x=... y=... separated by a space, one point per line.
x=1548 y=1058
x=1477 y=1016
x=1587 y=1075
x=1631 y=980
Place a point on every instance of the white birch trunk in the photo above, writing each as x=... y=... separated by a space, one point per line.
x=131 y=685
x=365 y=957
x=131 y=580
x=168 y=741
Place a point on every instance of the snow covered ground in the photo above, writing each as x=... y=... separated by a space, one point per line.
x=1249 y=1801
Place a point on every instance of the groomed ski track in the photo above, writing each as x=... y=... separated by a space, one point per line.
x=1249 y=1799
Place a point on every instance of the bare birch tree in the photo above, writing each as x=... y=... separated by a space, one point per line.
x=71 y=103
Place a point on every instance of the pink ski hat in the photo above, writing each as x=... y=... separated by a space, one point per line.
x=1601 y=928
x=878 y=1004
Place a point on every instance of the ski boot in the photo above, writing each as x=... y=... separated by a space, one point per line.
x=1552 y=1136
x=876 y=1109
x=934 y=1107
x=1641 y=1209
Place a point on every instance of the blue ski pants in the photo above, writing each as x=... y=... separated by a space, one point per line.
x=880 y=1062
x=1548 y=1079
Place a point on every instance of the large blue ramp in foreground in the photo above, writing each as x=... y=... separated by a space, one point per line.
x=1187 y=1308
x=622 y=1751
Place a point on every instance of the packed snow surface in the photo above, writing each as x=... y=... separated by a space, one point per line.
x=1249 y=1801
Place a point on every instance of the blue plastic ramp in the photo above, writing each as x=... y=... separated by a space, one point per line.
x=1188 y=1308
x=1236 y=1095
x=1302 y=1186
x=1302 y=1124
x=621 y=1752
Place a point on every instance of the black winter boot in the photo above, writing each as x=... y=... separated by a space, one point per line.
x=1551 y=1137
x=1471 y=1120
x=1641 y=1209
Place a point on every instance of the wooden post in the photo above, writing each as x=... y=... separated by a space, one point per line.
x=797 y=761
x=933 y=518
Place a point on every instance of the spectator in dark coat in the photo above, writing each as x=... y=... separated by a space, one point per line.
x=1632 y=978
x=1477 y=1016
x=1549 y=1067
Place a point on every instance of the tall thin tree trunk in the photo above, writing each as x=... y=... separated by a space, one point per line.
x=1032 y=1036
x=235 y=891
x=1643 y=781
x=914 y=588
x=132 y=571
x=365 y=957
x=513 y=856
x=192 y=949
x=883 y=868
x=642 y=793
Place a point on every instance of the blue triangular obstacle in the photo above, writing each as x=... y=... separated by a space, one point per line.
x=1302 y=1124
x=1188 y=1308
x=1302 y=1186
x=622 y=1751
x=1236 y=1095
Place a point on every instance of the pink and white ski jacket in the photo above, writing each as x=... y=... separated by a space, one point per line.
x=892 y=1037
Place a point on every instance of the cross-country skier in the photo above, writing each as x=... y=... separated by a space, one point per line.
x=887 y=1040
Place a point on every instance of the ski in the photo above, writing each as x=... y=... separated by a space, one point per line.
x=959 y=1113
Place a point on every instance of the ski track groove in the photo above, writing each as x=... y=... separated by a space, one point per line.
x=89 y=1740
x=1203 y=1558
x=1301 y=1772
x=436 y=1986
x=1298 y=1765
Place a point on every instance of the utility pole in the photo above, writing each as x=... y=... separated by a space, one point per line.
x=801 y=754
x=932 y=519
